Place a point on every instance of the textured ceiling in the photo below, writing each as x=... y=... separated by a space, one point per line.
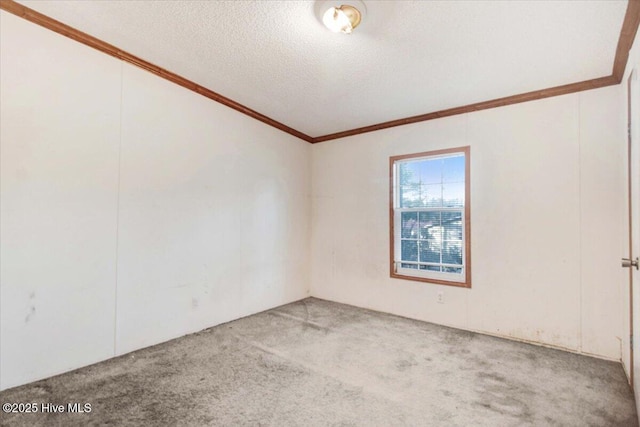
x=407 y=57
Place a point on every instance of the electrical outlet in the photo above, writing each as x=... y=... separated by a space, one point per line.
x=440 y=298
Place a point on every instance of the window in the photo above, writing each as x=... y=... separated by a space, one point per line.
x=430 y=217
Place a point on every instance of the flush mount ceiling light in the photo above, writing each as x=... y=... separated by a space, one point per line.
x=342 y=16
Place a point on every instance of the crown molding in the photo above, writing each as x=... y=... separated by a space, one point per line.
x=485 y=105
x=86 y=39
x=627 y=35
x=625 y=41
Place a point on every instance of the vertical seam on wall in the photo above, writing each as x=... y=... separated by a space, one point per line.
x=580 y=307
x=115 y=302
x=310 y=225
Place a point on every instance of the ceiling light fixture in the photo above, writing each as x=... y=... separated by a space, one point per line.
x=342 y=16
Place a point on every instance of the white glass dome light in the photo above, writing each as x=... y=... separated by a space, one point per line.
x=343 y=16
x=342 y=19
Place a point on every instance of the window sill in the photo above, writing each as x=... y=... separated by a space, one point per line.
x=466 y=284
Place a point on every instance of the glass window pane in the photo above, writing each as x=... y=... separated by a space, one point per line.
x=433 y=237
x=414 y=266
x=432 y=195
x=409 y=173
x=409 y=224
x=431 y=171
x=409 y=250
x=410 y=196
x=452 y=225
x=453 y=169
x=429 y=251
x=453 y=194
x=452 y=253
x=430 y=225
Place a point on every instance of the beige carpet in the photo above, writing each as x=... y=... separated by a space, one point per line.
x=317 y=363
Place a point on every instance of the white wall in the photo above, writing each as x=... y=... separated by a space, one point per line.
x=132 y=210
x=547 y=213
x=59 y=136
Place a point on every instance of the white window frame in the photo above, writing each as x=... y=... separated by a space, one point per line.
x=397 y=271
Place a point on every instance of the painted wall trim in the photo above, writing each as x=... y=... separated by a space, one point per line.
x=627 y=35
